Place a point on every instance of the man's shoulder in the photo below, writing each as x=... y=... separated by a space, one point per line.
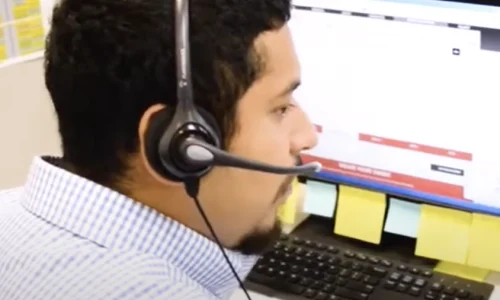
x=104 y=274
x=10 y=201
x=10 y=195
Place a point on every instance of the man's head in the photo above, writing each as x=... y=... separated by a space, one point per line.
x=110 y=66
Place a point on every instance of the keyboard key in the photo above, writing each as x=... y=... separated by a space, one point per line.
x=357 y=267
x=402 y=268
x=407 y=279
x=415 y=291
x=350 y=294
x=270 y=272
x=320 y=246
x=395 y=276
x=437 y=287
x=345 y=273
x=333 y=270
x=420 y=282
x=310 y=263
x=321 y=258
x=389 y=284
x=322 y=266
x=305 y=282
x=377 y=271
x=334 y=261
x=310 y=293
x=330 y=279
x=317 y=275
x=281 y=274
x=293 y=278
x=427 y=273
x=328 y=288
x=317 y=285
x=373 y=260
x=415 y=271
x=371 y=280
x=332 y=249
x=450 y=291
x=357 y=276
x=341 y=282
x=292 y=288
x=401 y=287
x=321 y=296
x=295 y=269
x=278 y=246
x=462 y=293
x=386 y=263
x=431 y=296
x=361 y=287
x=361 y=257
x=348 y=254
x=346 y=264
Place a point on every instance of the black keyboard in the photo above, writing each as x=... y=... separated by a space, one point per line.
x=303 y=269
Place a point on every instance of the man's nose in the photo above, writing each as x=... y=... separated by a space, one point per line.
x=305 y=135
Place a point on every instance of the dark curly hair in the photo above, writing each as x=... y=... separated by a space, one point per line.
x=108 y=61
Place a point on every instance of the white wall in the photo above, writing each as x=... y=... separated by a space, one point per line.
x=27 y=121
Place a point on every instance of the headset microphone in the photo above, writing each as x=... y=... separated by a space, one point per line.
x=201 y=153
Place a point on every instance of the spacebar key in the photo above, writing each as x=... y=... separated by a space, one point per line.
x=291 y=288
x=350 y=294
x=276 y=284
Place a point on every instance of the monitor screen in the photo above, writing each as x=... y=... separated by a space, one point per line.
x=403 y=96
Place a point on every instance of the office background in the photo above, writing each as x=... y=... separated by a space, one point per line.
x=27 y=120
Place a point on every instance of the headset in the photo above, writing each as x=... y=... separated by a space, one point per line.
x=182 y=144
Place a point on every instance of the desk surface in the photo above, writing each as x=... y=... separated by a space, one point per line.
x=493 y=278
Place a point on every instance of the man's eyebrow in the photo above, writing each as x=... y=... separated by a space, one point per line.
x=289 y=89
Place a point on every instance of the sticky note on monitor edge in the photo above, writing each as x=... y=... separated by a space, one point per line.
x=443 y=234
x=403 y=218
x=288 y=211
x=463 y=271
x=484 y=242
x=360 y=214
x=320 y=198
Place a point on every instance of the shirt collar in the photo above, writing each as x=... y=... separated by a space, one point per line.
x=114 y=221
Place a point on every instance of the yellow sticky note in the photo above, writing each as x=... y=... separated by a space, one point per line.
x=288 y=211
x=30 y=35
x=462 y=271
x=3 y=46
x=443 y=234
x=360 y=214
x=484 y=242
x=25 y=9
x=3 y=52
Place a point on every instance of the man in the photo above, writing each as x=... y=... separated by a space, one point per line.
x=99 y=223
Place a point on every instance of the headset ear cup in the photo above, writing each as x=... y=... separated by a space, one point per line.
x=158 y=123
x=210 y=120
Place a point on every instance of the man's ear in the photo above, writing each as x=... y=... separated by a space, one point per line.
x=144 y=125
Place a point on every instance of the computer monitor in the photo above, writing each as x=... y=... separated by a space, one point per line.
x=404 y=97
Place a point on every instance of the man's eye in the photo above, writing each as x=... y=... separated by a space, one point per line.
x=283 y=110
